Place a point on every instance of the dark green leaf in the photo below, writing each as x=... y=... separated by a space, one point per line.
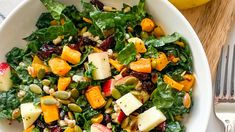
x=162 y=96
x=124 y=89
x=163 y=40
x=127 y=54
x=51 y=33
x=44 y=21
x=15 y=56
x=151 y=52
x=90 y=69
x=84 y=56
x=54 y=7
x=174 y=127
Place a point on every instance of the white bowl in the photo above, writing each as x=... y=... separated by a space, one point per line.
x=21 y=22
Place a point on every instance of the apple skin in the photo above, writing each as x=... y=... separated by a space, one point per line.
x=120 y=117
x=107 y=87
x=99 y=128
x=5 y=77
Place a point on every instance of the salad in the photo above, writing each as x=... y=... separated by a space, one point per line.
x=98 y=69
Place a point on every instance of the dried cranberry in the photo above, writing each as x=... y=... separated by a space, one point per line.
x=40 y=124
x=126 y=72
x=81 y=43
x=148 y=86
x=107 y=119
x=47 y=50
x=108 y=43
x=161 y=127
x=97 y=3
x=55 y=129
x=141 y=76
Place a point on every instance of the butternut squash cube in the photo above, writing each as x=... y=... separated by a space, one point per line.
x=50 y=112
x=59 y=66
x=38 y=64
x=71 y=55
x=116 y=64
x=172 y=83
x=161 y=61
x=63 y=83
x=95 y=97
x=188 y=82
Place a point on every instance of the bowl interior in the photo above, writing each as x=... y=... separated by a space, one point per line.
x=22 y=21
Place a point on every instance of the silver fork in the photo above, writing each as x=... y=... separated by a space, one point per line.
x=224 y=102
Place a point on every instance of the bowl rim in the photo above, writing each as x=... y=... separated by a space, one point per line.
x=190 y=29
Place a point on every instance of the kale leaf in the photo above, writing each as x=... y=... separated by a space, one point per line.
x=127 y=54
x=124 y=89
x=51 y=33
x=162 y=96
x=54 y=7
x=163 y=40
x=44 y=21
x=90 y=69
x=174 y=127
x=151 y=52
x=8 y=102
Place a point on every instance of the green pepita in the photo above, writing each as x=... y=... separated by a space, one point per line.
x=49 y=101
x=75 y=108
x=46 y=130
x=35 y=88
x=65 y=102
x=77 y=129
x=70 y=115
x=16 y=113
x=74 y=93
x=41 y=73
x=46 y=82
x=61 y=95
x=116 y=94
x=109 y=102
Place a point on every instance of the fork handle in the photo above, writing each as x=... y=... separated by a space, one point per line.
x=228 y=126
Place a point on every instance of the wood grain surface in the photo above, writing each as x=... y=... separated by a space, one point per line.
x=212 y=23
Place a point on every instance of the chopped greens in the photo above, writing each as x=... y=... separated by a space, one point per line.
x=76 y=92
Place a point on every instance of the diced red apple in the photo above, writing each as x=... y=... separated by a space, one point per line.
x=107 y=87
x=99 y=128
x=5 y=77
x=120 y=117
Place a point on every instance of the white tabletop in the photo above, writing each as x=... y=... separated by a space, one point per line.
x=6 y=6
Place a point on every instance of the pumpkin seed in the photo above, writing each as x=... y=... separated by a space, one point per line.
x=109 y=102
x=46 y=130
x=70 y=115
x=75 y=108
x=35 y=88
x=16 y=113
x=46 y=82
x=74 y=93
x=41 y=73
x=125 y=123
x=77 y=129
x=64 y=101
x=116 y=94
x=61 y=95
x=49 y=101
x=187 y=101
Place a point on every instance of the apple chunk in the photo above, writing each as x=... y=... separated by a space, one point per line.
x=5 y=77
x=128 y=103
x=101 y=62
x=99 y=128
x=29 y=113
x=107 y=87
x=150 y=119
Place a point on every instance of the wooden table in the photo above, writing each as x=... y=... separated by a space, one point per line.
x=212 y=23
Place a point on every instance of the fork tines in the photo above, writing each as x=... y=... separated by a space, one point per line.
x=224 y=86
